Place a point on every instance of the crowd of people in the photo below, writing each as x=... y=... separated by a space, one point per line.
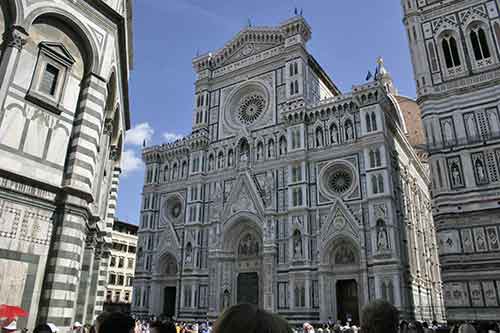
x=377 y=317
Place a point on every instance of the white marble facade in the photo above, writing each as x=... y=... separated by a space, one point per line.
x=455 y=49
x=288 y=193
x=64 y=69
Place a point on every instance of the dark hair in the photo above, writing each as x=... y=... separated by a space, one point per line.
x=380 y=316
x=117 y=323
x=247 y=318
x=42 y=328
x=165 y=327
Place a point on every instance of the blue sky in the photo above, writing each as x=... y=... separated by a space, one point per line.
x=347 y=37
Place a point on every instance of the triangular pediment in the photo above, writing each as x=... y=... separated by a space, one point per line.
x=58 y=50
x=244 y=197
x=340 y=221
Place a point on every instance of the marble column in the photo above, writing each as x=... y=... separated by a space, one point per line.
x=15 y=38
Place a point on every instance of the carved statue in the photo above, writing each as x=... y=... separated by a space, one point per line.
x=297 y=245
x=319 y=138
x=382 y=239
x=480 y=170
x=344 y=256
x=455 y=174
x=349 y=132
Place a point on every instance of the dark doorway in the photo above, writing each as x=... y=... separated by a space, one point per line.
x=169 y=301
x=248 y=288
x=347 y=301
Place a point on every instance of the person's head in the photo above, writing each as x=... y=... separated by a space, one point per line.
x=247 y=318
x=100 y=319
x=117 y=322
x=380 y=316
x=159 y=327
x=42 y=328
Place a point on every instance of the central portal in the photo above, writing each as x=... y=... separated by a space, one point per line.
x=347 y=301
x=248 y=288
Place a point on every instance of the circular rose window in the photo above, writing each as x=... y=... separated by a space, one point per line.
x=251 y=108
x=172 y=209
x=337 y=178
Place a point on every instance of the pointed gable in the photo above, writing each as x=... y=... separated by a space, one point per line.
x=244 y=197
x=340 y=220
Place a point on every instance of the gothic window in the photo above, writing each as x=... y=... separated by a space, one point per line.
x=230 y=158
x=380 y=180
x=220 y=160
x=296 y=68
x=334 y=134
x=374 y=121
x=296 y=173
x=282 y=295
x=479 y=43
x=282 y=146
x=450 y=51
x=349 y=130
x=433 y=57
x=375 y=160
x=297 y=199
x=368 y=123
x=297 y=244
x=291 y=69
x=211 y=162
x=260 y=150
x=292 y=89
x=270 y=148
x=296 y=137
x=300 y=294
x=296 y=91
x=319 y=137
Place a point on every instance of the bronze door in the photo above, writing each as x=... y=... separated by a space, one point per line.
x=248 y=288
x=169 y=301
x=347 y=301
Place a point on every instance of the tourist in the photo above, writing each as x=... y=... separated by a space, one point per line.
x=466 y=328
x=117 y=322
x=379 y=317
x=415 y=327
x=11 y=327
x=77 y=327
x=45 y=328
x=247 y=318
x=100 y=319
x=308 y=328
x=159 y=327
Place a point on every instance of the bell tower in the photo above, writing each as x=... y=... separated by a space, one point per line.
x=455 y=50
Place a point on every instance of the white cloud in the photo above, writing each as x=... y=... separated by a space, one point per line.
x=130 y=162
x=171 y=137
x=140 y=133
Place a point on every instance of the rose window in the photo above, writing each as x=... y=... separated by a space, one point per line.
x=251 y=108
x=340 y=180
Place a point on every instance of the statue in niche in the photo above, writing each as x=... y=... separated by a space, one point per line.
x=270 y=149
x=171 y=266
x=319 y=138
x=344 y=256
x=189 y=254
x=481 y=242
x=211 y=162
x=334 y=134
x=481 y=175
x=230 y=158
x=382 y=238
x=349 y=135
x=226 y=299
x=455 y=175
x=248 y=247
x=244 y=152
x=297 y=244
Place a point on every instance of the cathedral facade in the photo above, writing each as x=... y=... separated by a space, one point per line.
x=287 y=194
x=455 y=47
x=64 y=69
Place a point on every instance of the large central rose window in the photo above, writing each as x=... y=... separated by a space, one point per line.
x=340 y=180
x=251 y=108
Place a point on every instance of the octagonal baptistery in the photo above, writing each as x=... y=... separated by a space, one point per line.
x=287 y=194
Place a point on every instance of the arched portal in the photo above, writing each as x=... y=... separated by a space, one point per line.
x=168 y=269
x=243 y=245
x=343 y=281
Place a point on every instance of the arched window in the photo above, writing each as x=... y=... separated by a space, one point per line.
x=368 y=123
x=450 y=50
x=292 y=88
x=211 y=162
x=374 y=121
x=295 y=68
x=380 y=180
x=260 y=150
x=270 y=148
x=165 y=173
x=378 y=161
x=283 y=147
x=296 y=87
x=374 y=184
x=479 y=43
x=291 y=69
x=334 y=134
x=220 y=160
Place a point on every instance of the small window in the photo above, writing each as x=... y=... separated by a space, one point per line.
x=48 y=83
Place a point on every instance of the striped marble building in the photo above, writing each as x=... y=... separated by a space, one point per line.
x=455 y=47
x=64 y=68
